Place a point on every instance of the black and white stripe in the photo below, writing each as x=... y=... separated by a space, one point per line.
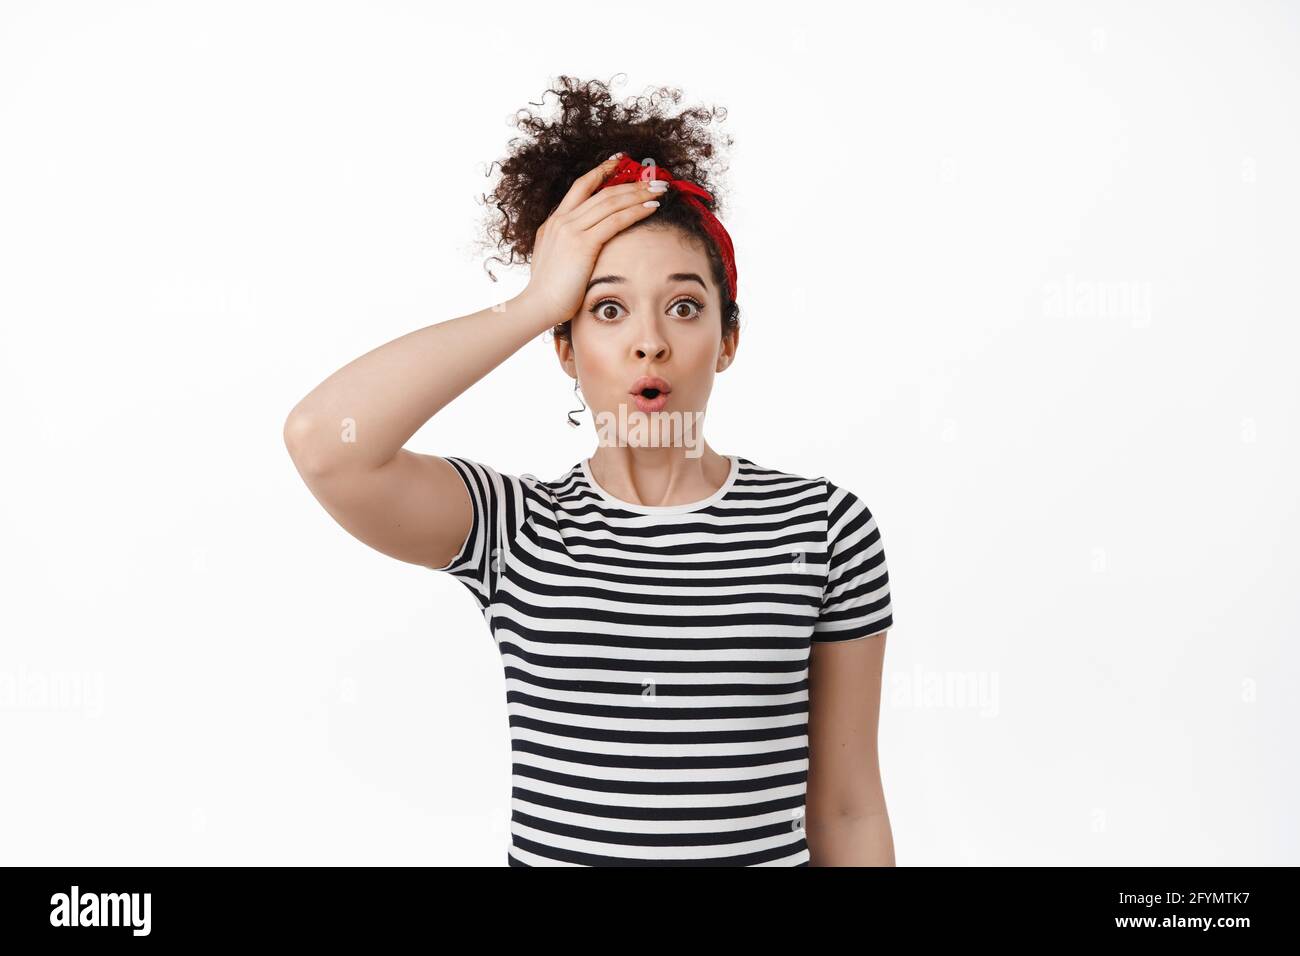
x=656 y=659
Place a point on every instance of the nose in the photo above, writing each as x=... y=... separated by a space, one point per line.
x=650 y=343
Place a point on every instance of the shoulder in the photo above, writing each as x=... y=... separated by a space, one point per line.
x=838 y=501
x=474 y=469
x=564 y=488
x=503 y=496
x=763 y=480
x=851 y=528
x=842 y=502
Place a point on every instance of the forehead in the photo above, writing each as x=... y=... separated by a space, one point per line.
x=649 y=253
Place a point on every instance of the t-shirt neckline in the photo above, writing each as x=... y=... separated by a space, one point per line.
x=663 y=509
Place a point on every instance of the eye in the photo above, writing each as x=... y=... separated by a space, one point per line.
x=599 y=308
x=699 y=307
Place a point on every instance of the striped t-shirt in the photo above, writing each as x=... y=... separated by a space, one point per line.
x=656 y=657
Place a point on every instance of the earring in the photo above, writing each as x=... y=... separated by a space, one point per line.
x=572 y=421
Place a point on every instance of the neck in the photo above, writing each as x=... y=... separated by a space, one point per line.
x=658 y=477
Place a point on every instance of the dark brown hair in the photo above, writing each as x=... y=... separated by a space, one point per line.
x=542 y=165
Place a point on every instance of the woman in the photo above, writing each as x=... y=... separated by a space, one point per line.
x=692 y=641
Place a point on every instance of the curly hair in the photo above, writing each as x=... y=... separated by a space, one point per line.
x=541 y=166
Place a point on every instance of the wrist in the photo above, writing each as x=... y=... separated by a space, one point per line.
x=537 y=313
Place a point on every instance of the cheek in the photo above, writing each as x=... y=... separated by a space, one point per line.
x=699 y=349
x=596 y=355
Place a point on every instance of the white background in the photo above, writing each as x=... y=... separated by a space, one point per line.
x=1021 y=276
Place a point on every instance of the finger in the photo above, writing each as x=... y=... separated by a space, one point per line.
x=616 y=222
x=610 y=200
x=586 y=184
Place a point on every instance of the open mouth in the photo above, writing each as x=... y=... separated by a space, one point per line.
x=650 y=393
x=651 y=387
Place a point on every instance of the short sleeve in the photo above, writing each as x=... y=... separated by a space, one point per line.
x=497 y=501
x=856 y=601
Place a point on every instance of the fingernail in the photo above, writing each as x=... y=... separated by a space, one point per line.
x=615 y=156
x=650 y=202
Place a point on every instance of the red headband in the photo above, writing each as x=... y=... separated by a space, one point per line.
x=629 y=170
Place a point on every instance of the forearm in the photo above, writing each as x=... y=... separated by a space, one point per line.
x=850 y=840
x=386 y=395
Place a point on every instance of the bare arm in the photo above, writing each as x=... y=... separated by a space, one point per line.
x=346 y=436
x=847 y=823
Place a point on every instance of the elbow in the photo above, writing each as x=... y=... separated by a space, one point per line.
x=302 y=441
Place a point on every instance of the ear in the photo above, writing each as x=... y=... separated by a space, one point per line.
x=564 y=352
x=727 y=349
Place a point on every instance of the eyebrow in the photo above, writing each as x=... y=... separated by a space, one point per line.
x=673 y=277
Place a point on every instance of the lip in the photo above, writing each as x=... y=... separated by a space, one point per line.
x=655 y=404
